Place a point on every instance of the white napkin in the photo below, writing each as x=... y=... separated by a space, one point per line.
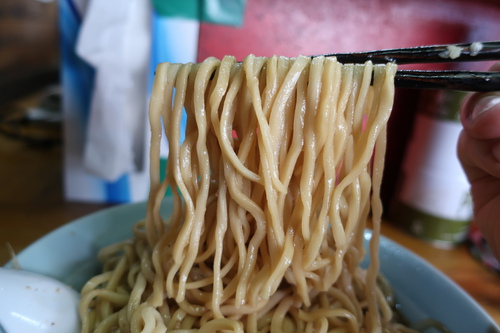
x=115 y=38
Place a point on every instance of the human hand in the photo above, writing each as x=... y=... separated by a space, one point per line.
x=479 y=152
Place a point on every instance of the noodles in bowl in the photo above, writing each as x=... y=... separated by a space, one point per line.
x=273 y=184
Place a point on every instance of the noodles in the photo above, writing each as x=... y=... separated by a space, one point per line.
x=278 y=173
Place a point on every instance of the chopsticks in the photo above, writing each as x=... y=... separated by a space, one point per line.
x=448 y=80
x=477 y=51
x=447 y=53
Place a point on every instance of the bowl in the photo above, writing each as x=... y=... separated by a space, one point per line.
x=69 y=254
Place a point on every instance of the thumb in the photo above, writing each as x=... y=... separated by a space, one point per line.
x=480 y=115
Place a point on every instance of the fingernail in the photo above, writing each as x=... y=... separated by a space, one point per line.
x=482 y=105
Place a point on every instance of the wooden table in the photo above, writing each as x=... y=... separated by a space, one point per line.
x=458 y=264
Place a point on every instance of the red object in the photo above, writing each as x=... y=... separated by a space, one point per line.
x=294 y=27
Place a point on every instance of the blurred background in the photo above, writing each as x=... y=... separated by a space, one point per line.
x=75 y=76
x=29 y=64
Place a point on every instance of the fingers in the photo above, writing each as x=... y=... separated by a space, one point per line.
x=479 y=157
x=479 y=143
x=480 y=115
x=479 y=152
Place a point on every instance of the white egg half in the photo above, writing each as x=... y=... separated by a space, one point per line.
x=35 y=303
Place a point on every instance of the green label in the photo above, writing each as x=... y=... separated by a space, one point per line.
x=429 y=227
x=224 y=12
x=442 y=104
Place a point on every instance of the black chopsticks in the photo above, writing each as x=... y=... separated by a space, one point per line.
x=448 y=80
x=477 y=51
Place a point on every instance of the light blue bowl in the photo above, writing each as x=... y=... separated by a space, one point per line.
x=69 y=254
